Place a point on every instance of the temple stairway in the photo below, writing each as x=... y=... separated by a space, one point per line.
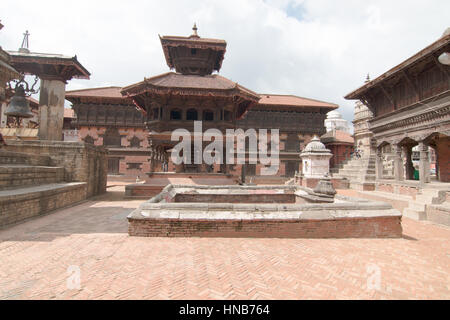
x=30 y=185
x=360 y=172
x=431 y=204
x=417 y=208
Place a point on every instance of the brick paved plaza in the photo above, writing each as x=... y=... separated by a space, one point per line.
x=36 y=257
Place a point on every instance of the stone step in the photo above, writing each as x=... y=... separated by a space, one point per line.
x=20 y=175
x=424 y=198
x=414 y=214
x=357 y=166
x=391 y=196
x=357 y=171
x=20 y=204
x=355 y=176
x=10 y=157
x=418 y=206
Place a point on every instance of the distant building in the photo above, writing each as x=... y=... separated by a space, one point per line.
x=410 y=107
x=135 y=122
x=334 y=121
x=341 y=145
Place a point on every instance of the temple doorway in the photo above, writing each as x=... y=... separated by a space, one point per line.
x=113 y=166
x=410 y=157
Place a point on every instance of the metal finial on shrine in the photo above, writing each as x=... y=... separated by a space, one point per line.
x=367 y=78
x=195 y=34
x=24 y=47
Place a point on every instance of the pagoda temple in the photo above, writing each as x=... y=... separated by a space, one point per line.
x=148 y=112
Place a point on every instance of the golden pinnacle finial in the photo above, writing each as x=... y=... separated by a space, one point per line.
x=194 y=28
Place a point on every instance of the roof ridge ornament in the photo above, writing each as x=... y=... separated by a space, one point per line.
x=367 y=78
x=24 y=47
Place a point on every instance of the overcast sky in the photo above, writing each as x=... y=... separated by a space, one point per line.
x=319 y=49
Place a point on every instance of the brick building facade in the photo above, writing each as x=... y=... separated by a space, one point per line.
x=135 y=122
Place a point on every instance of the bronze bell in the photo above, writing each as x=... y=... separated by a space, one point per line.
x=19 y=105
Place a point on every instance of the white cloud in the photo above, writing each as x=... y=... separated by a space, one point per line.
x=324 y=53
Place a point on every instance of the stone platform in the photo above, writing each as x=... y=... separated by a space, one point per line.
x=163 y=216
x=20 y=204
x=157 y=181
x=37 y=177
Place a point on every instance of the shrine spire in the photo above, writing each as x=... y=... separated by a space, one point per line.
x=24 y=47
x=194 y=34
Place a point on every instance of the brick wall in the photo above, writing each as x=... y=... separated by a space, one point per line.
x=236 y=198
x=443 y=154
x=380 y=227
x=341 y=152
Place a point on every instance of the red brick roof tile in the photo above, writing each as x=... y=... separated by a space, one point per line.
x=105 y=92
x=291 y=100
x=337 y=136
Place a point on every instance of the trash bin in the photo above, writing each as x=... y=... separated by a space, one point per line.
x=416 y=174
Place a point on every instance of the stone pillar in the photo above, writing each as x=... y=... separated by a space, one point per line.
x=409 y=167
x=398 y=163
x=51 y=109
x=379 y=165
x=3 y=117
x=424 y=164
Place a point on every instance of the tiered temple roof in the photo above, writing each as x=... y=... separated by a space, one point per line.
x=183 y=84
x=193 y=55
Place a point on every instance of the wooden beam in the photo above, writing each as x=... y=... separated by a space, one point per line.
x=387 y=95
x=367 y=101
x=411 y=84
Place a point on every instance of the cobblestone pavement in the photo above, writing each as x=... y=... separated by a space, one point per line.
x=43 y=258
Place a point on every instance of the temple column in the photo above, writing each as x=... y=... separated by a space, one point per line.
x=152 y=160
x=424 y=164
x=398 y=163
x=379 y=165
x=3 y=118
x=51 y=109
x=409 y=167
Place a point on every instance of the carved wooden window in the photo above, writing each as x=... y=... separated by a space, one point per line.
x=135 y=142
x=227 y=115
x=113 y=165
x=134 y=166
x=192 y=114
x=112 y=138
x=175 y=114
x=88 y=139
x=155 y=113
x=208 y=115
x=292 y=143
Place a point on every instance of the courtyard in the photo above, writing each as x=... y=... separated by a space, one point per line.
x=39 y=256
